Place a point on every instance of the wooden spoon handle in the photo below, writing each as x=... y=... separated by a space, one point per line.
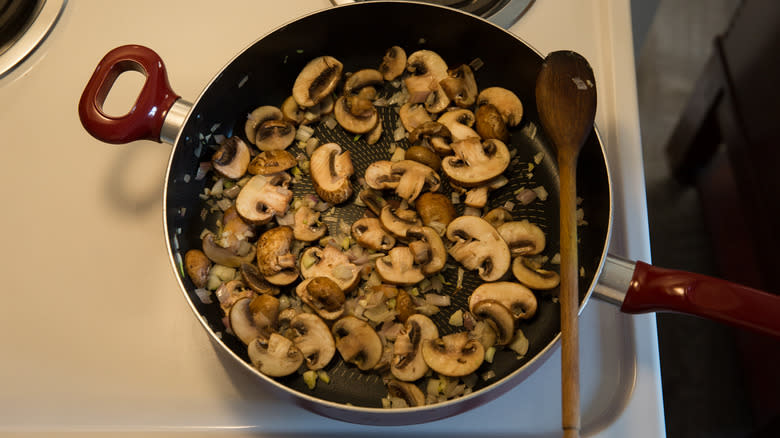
x=569 y=298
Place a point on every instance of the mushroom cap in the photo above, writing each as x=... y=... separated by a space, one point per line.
x=436 y=256
x=274 y=135
x=522 y=237
x=323 y=295
x=308 y=227
x=368 y=233
x=453 y=355
x=332 y=263
x=316 y=80
x=393 y=63
x=404 y=305
x=432 y=135
x=460 y=86
x=398 y=221
x=414 y=177
x=497 y=216
x=498 y=317
x=507 y=103
x=397 y=267
x=259 y=116
x=533 y=276
x=477 y=245
x=413 y=115
x=423 y=155
x=251 y=275
x=291 y=111
x=356 y=114
x=229 y=257
x=408 y=364
x=409 y=392
x=330 y=171
x=264 y=196
x=437 y=100
x=357 y=342
x=273 y=161
x=273 y=251
x=427 y=62
x=435 y=210
x=459 y=122
x=362 y=78
x=197 y=266
x=514 y=296
x=313 y=338
x=490 y=123
x=232 y=158
x=476 y=162
x=247 y=324
x=276 y=356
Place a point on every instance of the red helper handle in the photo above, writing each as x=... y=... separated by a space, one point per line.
x=145 y=118
x=655 y=288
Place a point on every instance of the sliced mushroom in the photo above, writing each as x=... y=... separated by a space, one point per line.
x=397 y=267
x=312 y=336
x=398 y=221
x=414 y=178
x=254 y=317
x=230 y=257
x=498 y=216
x=435 y=210
x=490 y=123
x=424 y=155
x=332 y=263
x=393 y=63
x=368 y=233
x=356 y=114
x=419 y=88
x=254 y=279
x=375 y=134
x=437 y=100
x=427 y=62
x=259 y=116
x=460 y=86
x=197 y=266
x=308 y=227
x=427 y=69
x=317 y=80
x=330 y=171
x=274 y=259
x=362 y=78
x=230 y=292
x=477 y=197
x=476 y=162
x=404 y=305
x=379 y=175
x=264 y=196
x=427 y=242
x=234 y=232
x=291 y=111
x=514 y=296
x=276 y=356
x=433 y=135
x=523 y=237
x=477 y=245
x=413 y=115
x=459 y=123
x=498 y=317
x=232 y=158
x=453 y=355
x=408 y=364
x=507 y=103
x=533 y=276
x=357 y=342
x=317 y=112
x=408 y=392
x=323 y=295
x=273 y=161
x=373 y=200
x=274 y=135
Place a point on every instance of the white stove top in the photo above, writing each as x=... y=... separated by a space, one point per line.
x=98 y=336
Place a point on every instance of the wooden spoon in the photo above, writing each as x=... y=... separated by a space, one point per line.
x=566 y=100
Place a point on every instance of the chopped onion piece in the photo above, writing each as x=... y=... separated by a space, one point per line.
x=526 y=196
x=541 y=192
x=203 y=169
x=304 y=132
x=398 y=155
x=437 y=300
x=204 y=295
x=459 y=284
x=519 y=343
x=456 y=319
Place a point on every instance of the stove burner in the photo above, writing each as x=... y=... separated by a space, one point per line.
x=23 y=26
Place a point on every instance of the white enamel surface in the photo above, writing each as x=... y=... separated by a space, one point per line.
x=97 y=334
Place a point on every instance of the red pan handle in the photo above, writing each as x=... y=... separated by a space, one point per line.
x=145 y=118
x=654 y=288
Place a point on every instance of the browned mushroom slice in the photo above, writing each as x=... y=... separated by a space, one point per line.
x=522 y=237
x=507 y=103
x=232 y=158
x=408 y=364
x=332 y=263
x=368 y=233
x=273 y=161
x=423 y=155
x=379 y=175
x=498 y=317
x=317 y=80
x=264 y=196
x=275 y=356
x=453 y=355
x=231 y=257
x=274 y=259
x=375 y=134
x=254 y=279
x=408 y=178
x=313 y=338
x=514 y=296
x=428 y=249
x=477 y=245
x=459 y=122
x=497 y=216
x=274 y=135
x=408 y=392
x=413 y=115
x=398 y=221
x=197 y=266
x=476 y=162
x=356 y=114
x=432 y=135
x=490 y=123
x=393 y=63
x=477 y=197
x=397 y=267
x=427 y=69
x=362 y=78
x=357 y=342
x=308 y=227
x=228 y=293
x=373 y=200
x=253 y=317
x=317 y=112
x=291 y=111
x=435 y=210
x=259 y=116
x=323 y=295
x=460 y=86
x=533 y=276
x=330 y=171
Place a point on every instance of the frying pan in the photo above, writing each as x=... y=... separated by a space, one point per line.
x=358 y=35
